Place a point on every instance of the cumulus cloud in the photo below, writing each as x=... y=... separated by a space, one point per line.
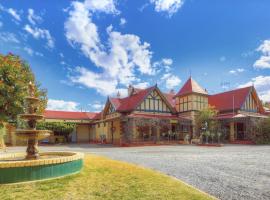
x=39 y=33
x=262 y=85
x=171 y=80
x=119 y=58
x=94 y=80
x=169 y=6
x=54 y=104
x=32 y=17
x=264 y=61
x=106 y=6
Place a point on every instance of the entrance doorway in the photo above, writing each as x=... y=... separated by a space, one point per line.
x=240 y=128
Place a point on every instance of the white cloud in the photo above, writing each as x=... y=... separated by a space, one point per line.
x=264 y=61
x=107 y=6
x=39 y=33
x=96 y=106
x=32 y=17
x=262 y=85
x=31 y=52
x=123 y=21
x=96 y=81
x=141 y=85
x=62 y=105
x=14 y=14
x=167 y=61
x=171 y=80
x=163 y=64
x=8 y=37
x=169 y=6
x=120 y=58
x=236 y=71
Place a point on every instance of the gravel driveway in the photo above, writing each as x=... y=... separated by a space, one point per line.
x=229 y=172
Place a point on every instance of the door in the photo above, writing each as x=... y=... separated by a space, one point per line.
x=240 y=131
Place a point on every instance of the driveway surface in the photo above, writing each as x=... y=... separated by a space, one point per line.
x=229 y=172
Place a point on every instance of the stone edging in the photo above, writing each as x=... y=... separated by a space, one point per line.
x=64 y=157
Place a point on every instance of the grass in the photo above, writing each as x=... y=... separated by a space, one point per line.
x=103 y=179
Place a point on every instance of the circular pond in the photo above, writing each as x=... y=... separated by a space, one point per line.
x=15 y=168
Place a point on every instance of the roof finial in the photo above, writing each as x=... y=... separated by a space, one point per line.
x=118 y=94
x=189 y=73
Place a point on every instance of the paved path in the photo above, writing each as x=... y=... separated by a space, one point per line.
x=229 y=172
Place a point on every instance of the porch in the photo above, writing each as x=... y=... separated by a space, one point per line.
x=240 y=128
x=154 y=129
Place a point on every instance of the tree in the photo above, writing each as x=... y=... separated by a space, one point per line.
x=15 y=75
x=263 y=131
x=266 y=104
x=59 y=128
x=205 y=122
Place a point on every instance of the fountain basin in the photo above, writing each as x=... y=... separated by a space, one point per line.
x=31 y=116
x=14 y=168
x=32 y=134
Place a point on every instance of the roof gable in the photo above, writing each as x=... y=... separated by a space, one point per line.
x=131 y=102
x=159 y=102
x=230 y=100
x=191 y=86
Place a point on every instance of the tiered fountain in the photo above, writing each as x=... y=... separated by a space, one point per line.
x=21 y=167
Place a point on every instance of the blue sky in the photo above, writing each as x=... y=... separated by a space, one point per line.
x=84 y=51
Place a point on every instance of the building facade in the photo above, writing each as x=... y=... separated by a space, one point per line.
x=149 y=115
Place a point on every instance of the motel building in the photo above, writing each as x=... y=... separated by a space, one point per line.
x=150 y=115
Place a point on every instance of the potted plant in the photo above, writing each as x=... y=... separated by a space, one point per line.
x=218 y=136
x=206 y=134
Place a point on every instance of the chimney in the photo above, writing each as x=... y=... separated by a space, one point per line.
x=130 y=90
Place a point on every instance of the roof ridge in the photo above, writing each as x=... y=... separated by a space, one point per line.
x=232 y=90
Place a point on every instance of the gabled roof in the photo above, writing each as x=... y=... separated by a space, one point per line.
x=54 y=114
x=191 y=86
x=230 y=100
x=130 y=103
x=169 y=97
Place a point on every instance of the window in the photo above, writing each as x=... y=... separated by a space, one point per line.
x=191 y=102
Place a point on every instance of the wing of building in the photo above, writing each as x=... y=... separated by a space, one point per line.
x=150 y=115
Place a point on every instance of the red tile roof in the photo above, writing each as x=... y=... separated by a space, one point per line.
x=191 y=86
x=130 y=103
x=224 y=101
x=53 y=114
x=169 y=97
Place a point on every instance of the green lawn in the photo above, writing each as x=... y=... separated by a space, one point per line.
x=104 y=179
